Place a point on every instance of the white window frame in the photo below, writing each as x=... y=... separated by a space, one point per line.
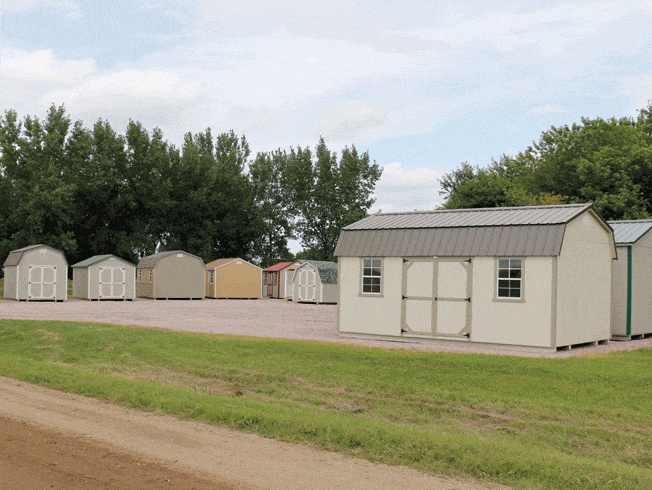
x=372 y=264
x=506 y=283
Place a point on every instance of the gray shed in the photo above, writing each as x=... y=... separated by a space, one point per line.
x=631 y=315
x=170 y=275
x=104 y=277
x=36 y=273
x=536 y=277
x=315 y=281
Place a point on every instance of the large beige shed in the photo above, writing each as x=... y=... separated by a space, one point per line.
x=233 y=279
x=315 y=281
x=536 y=277
x=631 y=315
x=36 y=273
x=104 y=277
x=170 y=275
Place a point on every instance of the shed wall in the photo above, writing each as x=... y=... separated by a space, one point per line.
x=179 y=277
x=527 y=322
x=619 y=292
x=10 y=282
x=43 y=256
x=80 y=282
x=642 y=285
x=584 y=282
x=370 y=314
x=237 y=280
x=330 y=293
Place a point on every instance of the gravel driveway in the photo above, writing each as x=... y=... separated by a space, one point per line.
x=259 y=318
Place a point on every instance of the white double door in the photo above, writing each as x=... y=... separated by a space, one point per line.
x=307 y=285
x=113 y=281
x=42 y=282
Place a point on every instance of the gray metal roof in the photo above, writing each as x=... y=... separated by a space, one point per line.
x=327 y=270
x=630 y=231
x=454 y=218
x=15 y=256
x=152 y=260
x=535 y=231
x=98 y=258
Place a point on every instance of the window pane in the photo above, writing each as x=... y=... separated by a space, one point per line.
x=366 y=263
x=515 y=293
x=514 y=273
x=515 y=263
x=375 y=289
x=503 y=263
x=366 y=271
x=375 y=263
x=375 y=272
x=375 y=281
x=503 y=273
x=503 y=283
x=515 y=284
x=503 y=293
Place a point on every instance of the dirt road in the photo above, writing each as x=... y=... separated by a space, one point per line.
x=55 y=440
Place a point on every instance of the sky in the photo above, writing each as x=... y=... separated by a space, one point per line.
x=422 y=86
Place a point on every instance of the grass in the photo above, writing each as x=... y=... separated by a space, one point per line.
x=577 y=423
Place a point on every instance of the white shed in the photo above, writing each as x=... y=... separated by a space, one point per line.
x=315 y=281
x=536 y=277
x=104 y=277
x=631 y=315
x=36 y=273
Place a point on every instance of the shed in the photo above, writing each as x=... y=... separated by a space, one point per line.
x=315 y=281
x=36 y=273
x=104 y=277
x=233 y=279
x=170 y=275
x=537 y=277
x=631 y=315
x=277 y=280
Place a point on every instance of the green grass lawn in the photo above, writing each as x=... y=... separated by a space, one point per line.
x=578 y=423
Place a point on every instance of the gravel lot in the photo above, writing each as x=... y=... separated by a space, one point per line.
x=259 y=318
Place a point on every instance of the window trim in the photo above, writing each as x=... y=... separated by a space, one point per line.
x=503 y=299
x=361 y=292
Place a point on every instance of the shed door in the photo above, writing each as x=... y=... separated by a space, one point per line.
x=113 y=282
x=307 y=281
x=436 y=297
x=42 y=282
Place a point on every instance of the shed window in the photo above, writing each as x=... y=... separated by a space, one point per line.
x=211 y=277
x=151 y=275
x=371 y=276
x=510 y=277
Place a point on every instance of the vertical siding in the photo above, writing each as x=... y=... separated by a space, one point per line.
x=10 y=282
x=642 y=286
x=619 y=293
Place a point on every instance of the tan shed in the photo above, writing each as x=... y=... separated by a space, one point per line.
x=631 y=315
x=536 y=277
x=36 y=273
x=315 y=281
x=104 y=277
x=233 y=279
x=170 y=275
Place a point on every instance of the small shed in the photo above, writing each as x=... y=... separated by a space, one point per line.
x=233 y=279
x=315 y=281
x=631 y=315
x=104 y=277
x=537 y=277
x=170 y=275
x=277 y=280
x=36 y=273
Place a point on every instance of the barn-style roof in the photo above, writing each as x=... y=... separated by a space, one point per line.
x=327 y=270
x=222 y=262
x=536 y=231
x=151 y=260
x=15 y=256
x=628 y=232
x=98 y=258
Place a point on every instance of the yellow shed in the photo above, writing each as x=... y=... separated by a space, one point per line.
x=232 y=279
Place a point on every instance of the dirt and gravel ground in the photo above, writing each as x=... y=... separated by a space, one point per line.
x=55 y=440
x=260 y=318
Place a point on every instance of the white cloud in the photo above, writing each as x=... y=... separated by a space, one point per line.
x=43 y=66
x=401 y=189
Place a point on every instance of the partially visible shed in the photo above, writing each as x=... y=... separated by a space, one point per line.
x=631 y=315
x=233 y=279
x=170 y=275
x=104 y=277
x=36 y=273
x=315 y=281
x=277 y=279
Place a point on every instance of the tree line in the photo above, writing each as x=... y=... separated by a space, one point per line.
x=94 y=191
x=604 y=162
